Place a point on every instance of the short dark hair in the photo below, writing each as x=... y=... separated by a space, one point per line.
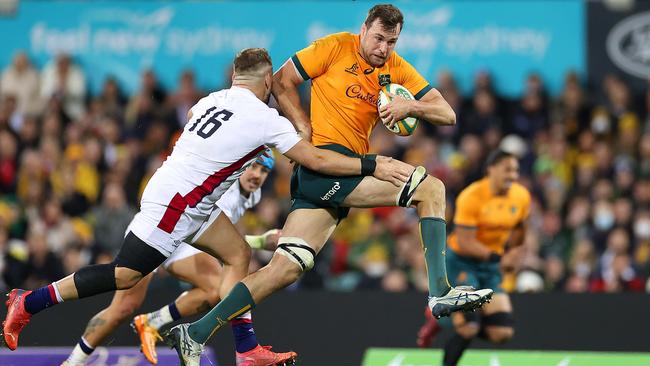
x=389 y=16
x=496 y=156
x=251 y=60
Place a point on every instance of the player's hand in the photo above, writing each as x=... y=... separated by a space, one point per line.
x=392 y=170
x=397 y=109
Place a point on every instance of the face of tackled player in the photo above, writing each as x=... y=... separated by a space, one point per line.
x=504 y=173
x=377 y=42
x=253 y=177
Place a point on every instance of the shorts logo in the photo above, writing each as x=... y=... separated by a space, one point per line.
x=331 y=192
x=353 y=69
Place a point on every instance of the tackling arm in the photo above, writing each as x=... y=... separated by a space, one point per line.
x=285 y=90
x=333 y=163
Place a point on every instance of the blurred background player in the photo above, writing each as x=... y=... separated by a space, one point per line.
x=347 y=71
x=202 y=271
x=490 y=219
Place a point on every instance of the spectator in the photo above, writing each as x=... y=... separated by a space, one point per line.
x=112 y=218
x=64 y=82
x=21 y=80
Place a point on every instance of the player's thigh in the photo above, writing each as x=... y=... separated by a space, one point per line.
x=372 y=192
x=314 y=225
x=201 y=270
x=222 y=240
x=127 y=301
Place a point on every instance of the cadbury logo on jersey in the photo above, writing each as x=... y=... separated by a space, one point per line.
x=355 y=91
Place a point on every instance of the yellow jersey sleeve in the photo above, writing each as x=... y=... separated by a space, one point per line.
x=467 y=210
x=315 y=59
x=406 y=75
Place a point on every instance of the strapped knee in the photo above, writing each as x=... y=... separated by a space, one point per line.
x=96 y=279
x=298 y=251
x=500 y=319
x=405 y=196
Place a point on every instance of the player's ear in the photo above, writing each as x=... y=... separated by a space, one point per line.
x=364 y=29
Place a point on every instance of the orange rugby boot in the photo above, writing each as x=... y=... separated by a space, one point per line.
x=16 y=319
x=148 y=337
x=263 y=356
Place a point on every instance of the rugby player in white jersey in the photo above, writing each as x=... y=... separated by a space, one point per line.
x=202 y=271
x=225 y=133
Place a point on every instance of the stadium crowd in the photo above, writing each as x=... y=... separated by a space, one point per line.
x=73 y=165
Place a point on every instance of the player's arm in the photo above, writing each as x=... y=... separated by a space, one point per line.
x=514 y=250
x=333 y=163
x=518 y=235
x=469 y=245
x=432 y=107
x=285 y=90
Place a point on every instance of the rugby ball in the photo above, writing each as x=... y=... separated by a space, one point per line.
x=406 y=126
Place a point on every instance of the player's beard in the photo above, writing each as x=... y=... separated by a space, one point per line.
x=377 y=64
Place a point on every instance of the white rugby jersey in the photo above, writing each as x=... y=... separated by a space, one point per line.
x=234 y=204
x=228 y=130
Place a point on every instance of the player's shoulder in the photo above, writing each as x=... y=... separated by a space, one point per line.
x=342 y=38
x=519 y=192
x=396 y=61
x=474 y=191
x=336 y=42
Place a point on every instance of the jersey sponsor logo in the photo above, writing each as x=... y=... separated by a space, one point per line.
x=384 y=79
x=355 y=91
x=369 y=70
x=331 y=192
x=353 y=69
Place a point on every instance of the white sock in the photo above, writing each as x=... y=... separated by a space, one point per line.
x=160 y=317
x=78 y=357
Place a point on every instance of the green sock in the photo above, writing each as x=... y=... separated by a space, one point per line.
x=238 y=301
x=433 y=233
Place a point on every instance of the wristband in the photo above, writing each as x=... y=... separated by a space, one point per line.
x=494 y=258
x=368 y=165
